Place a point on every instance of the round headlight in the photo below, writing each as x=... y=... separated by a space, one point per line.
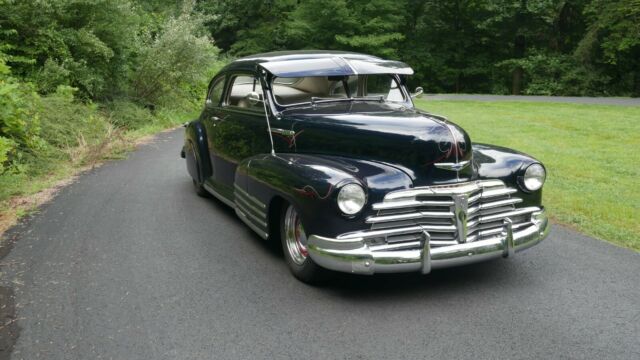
x=351 y=199
x=534 y=177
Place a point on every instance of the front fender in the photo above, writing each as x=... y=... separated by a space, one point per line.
x=312 y=182
x=495 y=162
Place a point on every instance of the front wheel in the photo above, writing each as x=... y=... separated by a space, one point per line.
x=294 y=246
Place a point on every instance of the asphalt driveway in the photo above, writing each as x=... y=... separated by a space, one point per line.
x=128 y=263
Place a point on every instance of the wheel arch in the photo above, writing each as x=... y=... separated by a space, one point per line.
x=196 y=140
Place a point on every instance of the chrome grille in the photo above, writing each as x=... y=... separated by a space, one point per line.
x=451 y=214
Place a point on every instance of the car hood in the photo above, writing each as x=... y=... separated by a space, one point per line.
x=416 y=142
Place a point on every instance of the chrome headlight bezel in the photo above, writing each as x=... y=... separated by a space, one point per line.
x=533 y=178
x=351 y=199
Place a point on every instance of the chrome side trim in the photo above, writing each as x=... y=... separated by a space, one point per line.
x=263 y=234
x=283 y=132
x=252 y=217
x=247 y=196
x=218 y=195
x=244 y=204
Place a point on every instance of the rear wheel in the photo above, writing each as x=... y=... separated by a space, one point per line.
x=198 y=185
x=294 y=246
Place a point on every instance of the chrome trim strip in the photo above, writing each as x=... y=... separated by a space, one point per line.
x=495 y=204
x=263 y=234
x=498 y=192
x=251 y=216
x=398 y=246
x=241 y=202
x=516 y=212
x=446 y=190
x=284 y=132
x=241 y=192
x=358 y=235
x=409 y=216
x=453 y=166
x=218 y=195
x=409 y=203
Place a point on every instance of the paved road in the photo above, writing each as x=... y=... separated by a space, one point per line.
x=128 y=263
x=559 y=99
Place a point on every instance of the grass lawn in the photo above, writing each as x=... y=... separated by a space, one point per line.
x=591 y=153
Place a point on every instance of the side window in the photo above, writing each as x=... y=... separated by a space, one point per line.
x=244 y=92
x=384 y=85
x=215 y=94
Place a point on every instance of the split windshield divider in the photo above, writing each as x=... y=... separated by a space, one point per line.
x=318 y=100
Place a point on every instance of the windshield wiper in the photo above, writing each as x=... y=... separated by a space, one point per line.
x=317 y=100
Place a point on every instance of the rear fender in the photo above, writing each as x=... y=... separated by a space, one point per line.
x=196 y=151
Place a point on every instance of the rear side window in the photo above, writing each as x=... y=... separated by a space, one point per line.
x=215 y=94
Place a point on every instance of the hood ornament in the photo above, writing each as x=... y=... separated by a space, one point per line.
x=453 y=166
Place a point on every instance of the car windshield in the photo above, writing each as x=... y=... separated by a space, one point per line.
x=311 y=89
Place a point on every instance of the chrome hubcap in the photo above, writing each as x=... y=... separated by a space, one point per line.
x=295 y=238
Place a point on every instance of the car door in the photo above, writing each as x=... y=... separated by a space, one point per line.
x=211 y=113
x=239 y=130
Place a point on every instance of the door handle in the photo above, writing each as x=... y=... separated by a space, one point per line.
x=215 y=118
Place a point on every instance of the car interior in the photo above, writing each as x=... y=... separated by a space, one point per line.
x=299 y=90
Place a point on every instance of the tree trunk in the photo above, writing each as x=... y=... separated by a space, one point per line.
x=516 y=84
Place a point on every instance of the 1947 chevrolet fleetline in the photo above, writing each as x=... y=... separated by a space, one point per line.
x=326 y=153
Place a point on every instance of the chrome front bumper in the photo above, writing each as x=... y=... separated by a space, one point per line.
x=355 y=256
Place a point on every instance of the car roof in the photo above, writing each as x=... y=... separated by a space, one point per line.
x=317 y=63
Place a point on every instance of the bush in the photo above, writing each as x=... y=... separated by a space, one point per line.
x=6 y=145
x=171 y=63
x=128 y=115
x=66 y=122
x=560 y=75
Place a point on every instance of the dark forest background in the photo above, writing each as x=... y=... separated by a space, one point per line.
x=546 y=47
x=76 y=76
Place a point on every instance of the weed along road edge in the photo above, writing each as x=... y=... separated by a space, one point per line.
x=128 y=263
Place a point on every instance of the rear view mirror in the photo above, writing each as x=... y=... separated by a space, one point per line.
x=254 y=98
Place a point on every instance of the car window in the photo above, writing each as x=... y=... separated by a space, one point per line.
x=384 y=85
x=289 y=92
x=352 y=84
x=241 y=88
x=215 y=94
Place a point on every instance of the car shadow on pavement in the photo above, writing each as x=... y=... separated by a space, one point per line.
x=451 y=279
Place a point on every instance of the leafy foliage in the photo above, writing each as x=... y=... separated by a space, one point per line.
x=174 y=61
x=559 y=47
x=76 y=74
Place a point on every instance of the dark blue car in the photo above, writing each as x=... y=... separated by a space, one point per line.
x=324 y=152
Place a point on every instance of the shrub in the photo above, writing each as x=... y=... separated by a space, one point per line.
x=126 y=114
x=171 y=63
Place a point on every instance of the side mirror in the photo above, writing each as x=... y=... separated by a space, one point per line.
x=419 y=91
x=254 y=98
x=208 y=103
